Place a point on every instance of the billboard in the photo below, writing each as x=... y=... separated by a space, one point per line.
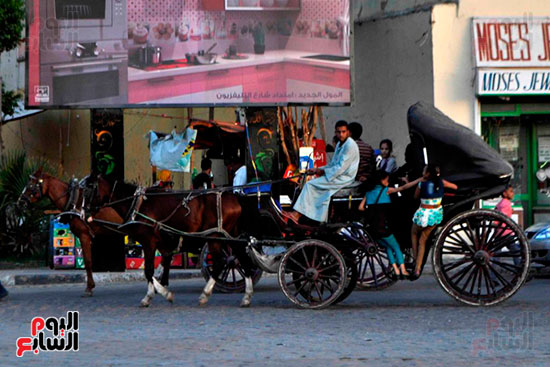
x=131 y=53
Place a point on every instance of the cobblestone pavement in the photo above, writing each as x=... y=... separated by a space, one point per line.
x=410 y=324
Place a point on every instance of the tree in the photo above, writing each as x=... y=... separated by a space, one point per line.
x=12 y=16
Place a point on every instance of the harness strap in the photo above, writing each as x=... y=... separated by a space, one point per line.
x=73 y=196
x=136 y=204
x=161 y=226
x=219 y=209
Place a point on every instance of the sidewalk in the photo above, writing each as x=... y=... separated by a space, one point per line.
x=44 y=276
x=41 y=276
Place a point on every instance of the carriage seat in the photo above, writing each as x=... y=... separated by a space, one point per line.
x=353 y=190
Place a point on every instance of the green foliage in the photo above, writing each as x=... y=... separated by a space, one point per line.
x=20 y=225
x=9 y=101
x=12 y=15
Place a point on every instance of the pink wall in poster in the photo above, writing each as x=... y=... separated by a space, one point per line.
x=303 y=30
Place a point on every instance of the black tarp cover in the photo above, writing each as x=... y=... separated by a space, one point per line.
x=460 y=153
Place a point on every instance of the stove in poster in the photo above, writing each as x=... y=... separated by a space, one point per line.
x=116 y=53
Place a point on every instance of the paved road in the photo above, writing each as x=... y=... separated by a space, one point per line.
x=410 y=324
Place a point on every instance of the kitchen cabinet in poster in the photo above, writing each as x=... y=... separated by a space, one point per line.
x=125 y=53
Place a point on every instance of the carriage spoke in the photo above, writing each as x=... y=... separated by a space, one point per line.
x=314 y=257
x=480 y=273
x=488 y=281
x=447 y=252
x=326 y=284
x=462 y=242
x=475 y=274
x=300 y=288
x=223 y=276
x=305 y=257
x=328 y=267
x=333 y=277
x=512 y=268
x=318 y=291
x=297 y=263
x=501 y=279
x=456 y=264
x=484 y=231
x=462 y=272
x=374 y=277
x=363 y=268
x=296 y=280
x=516 y=253
x=473 y=235
x=506 y=241
x=240 y=271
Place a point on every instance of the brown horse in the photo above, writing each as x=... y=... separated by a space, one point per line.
x=156 y=220
x=65 y=198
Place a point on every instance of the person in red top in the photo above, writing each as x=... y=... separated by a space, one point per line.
x=505 y=207
x=505 y=204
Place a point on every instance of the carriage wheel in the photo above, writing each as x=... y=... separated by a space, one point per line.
x=312 y=274
x=231 y=278
x=481 y=257
x=373 y=267
x=352 y=276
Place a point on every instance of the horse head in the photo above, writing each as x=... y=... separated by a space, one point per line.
x=35 y=189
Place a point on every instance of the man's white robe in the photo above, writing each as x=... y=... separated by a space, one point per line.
x=314 y=199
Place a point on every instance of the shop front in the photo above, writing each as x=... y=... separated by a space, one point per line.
x=513 y=92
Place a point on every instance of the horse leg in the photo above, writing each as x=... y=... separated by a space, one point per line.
x=166 y=261
x=218 y=264
x=247 y=267
x=149 y=253
x=161 y=287
x=86 y=244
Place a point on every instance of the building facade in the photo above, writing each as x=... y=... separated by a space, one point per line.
x=411 y=51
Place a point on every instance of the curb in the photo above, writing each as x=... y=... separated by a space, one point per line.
x=64 y=277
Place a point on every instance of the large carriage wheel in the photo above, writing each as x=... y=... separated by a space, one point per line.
x=312 y=274
x=481 y=257
x=373 y=266
x=351 y=278
x=231 y=278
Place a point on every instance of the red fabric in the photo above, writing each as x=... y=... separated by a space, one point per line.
x=505 y=207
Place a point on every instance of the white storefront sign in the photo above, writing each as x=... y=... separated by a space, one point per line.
x=513 y=81
x=512 y=42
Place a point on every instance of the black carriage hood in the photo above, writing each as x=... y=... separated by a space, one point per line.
x=460 y=153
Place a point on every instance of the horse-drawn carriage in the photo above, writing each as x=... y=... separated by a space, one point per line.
x=480 y=257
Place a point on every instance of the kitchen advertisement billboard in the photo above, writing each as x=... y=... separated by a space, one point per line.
x=135 y=53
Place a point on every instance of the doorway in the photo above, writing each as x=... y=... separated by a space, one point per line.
x=524 y=141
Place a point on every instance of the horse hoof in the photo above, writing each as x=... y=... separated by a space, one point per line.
x=145 y=303
x=88 y=293
x=170 y=297
x=245 y=304
x=203 y=300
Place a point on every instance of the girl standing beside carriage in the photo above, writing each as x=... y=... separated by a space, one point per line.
x=430 y=190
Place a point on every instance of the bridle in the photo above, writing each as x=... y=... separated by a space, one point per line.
x=35 y=187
